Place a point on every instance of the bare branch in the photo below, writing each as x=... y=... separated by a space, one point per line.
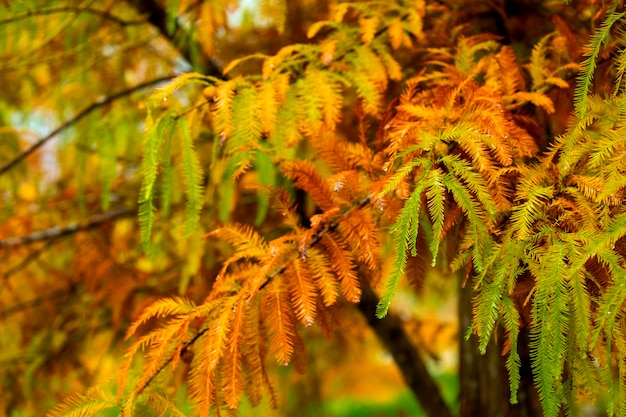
x=88 y=110
x=33 y=256
x=75 y=10
x=157 y=16
x=58 y=232
x=37 y=301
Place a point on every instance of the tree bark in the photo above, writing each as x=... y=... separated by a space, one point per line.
x=483 y=379
x=157 y=16
x=406 y=355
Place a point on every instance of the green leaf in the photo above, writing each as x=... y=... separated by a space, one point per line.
x=470 y=176
x=511 y=319
x=436 y=194
x=193 y=179
x=227 y=191
x=550 y=322
x=502 y=266
x=478 y=231
x=405 y=234
x=167 y=186
x=600 y=37
x=525 y=214
x=402 y=172
x=266 y=173
x=153 y=139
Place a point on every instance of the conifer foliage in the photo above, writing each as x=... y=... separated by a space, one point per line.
x=412 y=134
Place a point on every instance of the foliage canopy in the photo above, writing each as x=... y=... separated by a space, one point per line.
x=392 y=129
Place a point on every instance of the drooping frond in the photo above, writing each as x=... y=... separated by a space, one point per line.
x=474 y=181
x=161 y=308
x=232 y=369
x=154 y=135
x=358 y=231
x=287 y=133
x=307 y=177
x=280 y=322
x=268 y=112
x=246 y=129
x=368 y=75
x=584 y=79
x=525 y=214
x=208 y=355
x=222 y=111
x=435 y=194
x=502 y=267
x=93 y=402
x=193 y=176
x=405 y=234
x=253 y=354
x=342 y=264
x=550 y=313
x=241 y=237
x=511 y=321
x=323 y=275
x=475 y=214
x=509 y=71
x=320 y=101
x=539 y=62
x=302 y=291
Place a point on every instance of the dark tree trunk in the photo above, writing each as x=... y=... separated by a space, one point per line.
x=392 y=335
x=483 y=379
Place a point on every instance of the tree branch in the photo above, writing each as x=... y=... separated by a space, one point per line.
x=186 y=346
x=59 y=232
x=406 y=355
x=74 y=10
x=88 y=110
x=157 y=16
x=56 y=294
x=33 y=256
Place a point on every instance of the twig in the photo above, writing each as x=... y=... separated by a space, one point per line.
x=75 y=10
x=169 y=360
x=92 y=107
x=28 y=259
x=316 y=238
x=16 y=308
x=58 y=232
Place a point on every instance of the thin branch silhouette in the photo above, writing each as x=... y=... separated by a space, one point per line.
x=79 y=116
x=58 y=232
x=73 y=10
